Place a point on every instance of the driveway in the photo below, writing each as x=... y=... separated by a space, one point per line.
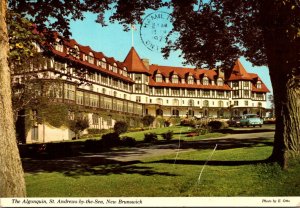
x=239 y=137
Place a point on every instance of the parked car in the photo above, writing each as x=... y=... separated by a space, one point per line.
x=234 y=121
x=251 y=120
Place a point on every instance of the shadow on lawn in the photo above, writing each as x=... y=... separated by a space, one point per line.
x=227 y=143
x=88 y=165
x=111 y=162
x=213 y=162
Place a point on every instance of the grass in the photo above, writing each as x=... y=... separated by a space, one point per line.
x=179 y=132
x=231 y=172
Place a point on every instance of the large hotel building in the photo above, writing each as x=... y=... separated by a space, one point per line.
x=127 y=90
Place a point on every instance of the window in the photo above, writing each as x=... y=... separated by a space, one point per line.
x=138 y=77
x=60 y=66
x=76 y=51
x=138 y=99
x=159 y=91
x=206 y=93
x=138 y=88
x=220 y=82
x=190 y=79
x=159 y=101
x=94 y=100
x=220 y=93
x=259 y=96
x=258 y=84
x=102 y=63
x=79 y=97
x=58 y=46
x=175 y=79
x=191 y=102
x=69 y=92
x=205 y=81
x=235 y=93
x=235 y=84
x=95 y=119
x=246 y=103
x=91 y=58
x=191 y=93
x=205 y=103
x=125 y=72
x=158 y=78
x=246 y=93
x=246 y=84
x=220 y=104
x=114 y=68
x=259 y=104
x=175 y=102
x=236 y=103
x=175 y=92
x=104 y=79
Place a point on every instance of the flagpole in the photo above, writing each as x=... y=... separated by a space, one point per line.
x=131 y=35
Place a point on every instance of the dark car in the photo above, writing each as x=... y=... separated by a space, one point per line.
x=234 y=121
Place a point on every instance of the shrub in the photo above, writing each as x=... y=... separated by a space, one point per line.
x=111 y=140
x=175 y=120
x=92 y=145
x=78 y=125
x=147 y=120
x=95 y=131
x=120 y=127
x=168 y=135
x=159 y=122
x=217 y=125
x=203 y=130
x=150 y=137
x=188 y=122
x=128 y=141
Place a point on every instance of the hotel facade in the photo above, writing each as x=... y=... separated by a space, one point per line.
x=107 y=90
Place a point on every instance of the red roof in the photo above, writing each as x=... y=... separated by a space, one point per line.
x=239 y=72
x=134 y=63
x=93 y=66
x=168 y=71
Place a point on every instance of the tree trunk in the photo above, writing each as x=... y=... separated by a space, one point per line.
x=12 y=183
x=283 y=60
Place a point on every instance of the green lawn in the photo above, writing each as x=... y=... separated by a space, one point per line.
x=179 y=132
x=231 y=172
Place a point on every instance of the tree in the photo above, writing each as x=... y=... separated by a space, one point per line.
x=216 y=33
x=147 y=120
x=120 y=127
x=78 y=125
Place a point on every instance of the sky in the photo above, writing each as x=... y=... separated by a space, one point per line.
x=113 y=41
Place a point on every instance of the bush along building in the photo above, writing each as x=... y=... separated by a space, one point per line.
x=81 y=83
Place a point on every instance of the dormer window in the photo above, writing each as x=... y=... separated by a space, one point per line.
x=258 y=85
x=114 y=68
x=220 y=82
x=102 y=63
x=76 y=52
x=190 y=79
x=90 y=58
x=205 y=81
x=58 y=46
x=158 y=78
x=175 y=79
x=125 y=71
x=110 y=67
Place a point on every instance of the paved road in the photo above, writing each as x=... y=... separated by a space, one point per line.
x=240 y=137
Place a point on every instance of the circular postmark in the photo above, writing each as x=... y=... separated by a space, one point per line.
x=154 y=30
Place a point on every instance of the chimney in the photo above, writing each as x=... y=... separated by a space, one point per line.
x=146 y=62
